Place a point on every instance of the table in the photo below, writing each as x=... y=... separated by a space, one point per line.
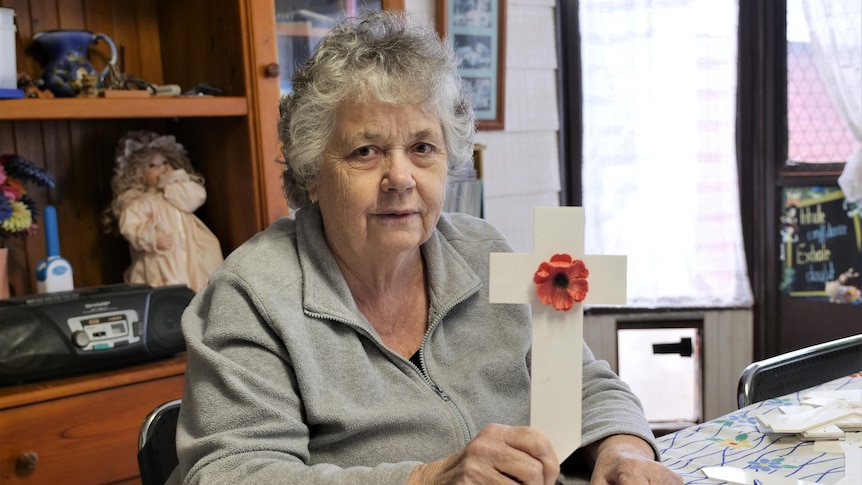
x=734 y=440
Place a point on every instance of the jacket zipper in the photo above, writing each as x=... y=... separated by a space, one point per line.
x=445 y=397
x=465 y=430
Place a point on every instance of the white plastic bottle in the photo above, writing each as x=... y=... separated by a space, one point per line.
x=8 y=66
x=53 y=273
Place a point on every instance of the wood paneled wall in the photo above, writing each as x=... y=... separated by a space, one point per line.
x=132 y=24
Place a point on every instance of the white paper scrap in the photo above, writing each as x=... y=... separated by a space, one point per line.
x=821 y=398
x=853 y=423
x=831 y=447
x=793 y=409
x=831 y=432
x=803 y=421
x=852 y=464
x=747 y=477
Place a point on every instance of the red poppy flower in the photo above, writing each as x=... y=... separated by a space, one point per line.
x=561 y=282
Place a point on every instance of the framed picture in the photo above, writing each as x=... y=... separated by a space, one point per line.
x=477 y=31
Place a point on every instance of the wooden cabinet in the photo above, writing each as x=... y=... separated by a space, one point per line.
x=231 y=138
x=83 y=429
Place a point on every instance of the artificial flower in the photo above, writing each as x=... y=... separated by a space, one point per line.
x=561 y=282
x=19 y=220
x=17 y=210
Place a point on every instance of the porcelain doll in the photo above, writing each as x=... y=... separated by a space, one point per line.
x=156 y=192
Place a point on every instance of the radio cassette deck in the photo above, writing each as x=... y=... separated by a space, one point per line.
x=72 y=332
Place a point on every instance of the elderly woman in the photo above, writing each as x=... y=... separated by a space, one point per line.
x=356 y=343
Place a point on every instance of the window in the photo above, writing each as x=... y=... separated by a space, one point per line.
x=824 y=88
x=817 y=131
x=658 y=83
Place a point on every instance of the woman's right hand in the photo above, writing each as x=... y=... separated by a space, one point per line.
x=498 y=454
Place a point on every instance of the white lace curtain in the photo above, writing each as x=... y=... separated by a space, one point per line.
x=660 y=178
x=835 y=27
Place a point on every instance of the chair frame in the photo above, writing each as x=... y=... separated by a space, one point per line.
x=147 y=428
x=799 y=369
x=153 y=469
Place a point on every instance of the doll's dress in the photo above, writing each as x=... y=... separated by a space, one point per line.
x=196 y=252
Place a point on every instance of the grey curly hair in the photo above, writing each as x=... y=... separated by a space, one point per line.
x=385 y=56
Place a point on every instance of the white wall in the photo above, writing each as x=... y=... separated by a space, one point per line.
x=522 y=162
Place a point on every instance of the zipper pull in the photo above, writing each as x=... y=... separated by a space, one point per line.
x=442 y=394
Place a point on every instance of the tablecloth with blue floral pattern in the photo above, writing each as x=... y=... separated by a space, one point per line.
x=735 y=440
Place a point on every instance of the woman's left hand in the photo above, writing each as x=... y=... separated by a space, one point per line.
x=629 y=460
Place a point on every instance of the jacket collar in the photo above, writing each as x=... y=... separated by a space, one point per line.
x=325 y=292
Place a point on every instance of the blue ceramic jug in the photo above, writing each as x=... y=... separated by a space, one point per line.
x=64 y=59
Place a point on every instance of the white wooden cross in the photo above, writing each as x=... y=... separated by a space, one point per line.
x=557 y=353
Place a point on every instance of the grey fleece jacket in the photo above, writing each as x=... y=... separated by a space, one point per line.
x=288 y=383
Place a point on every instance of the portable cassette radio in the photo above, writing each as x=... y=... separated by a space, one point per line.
x=72 y=332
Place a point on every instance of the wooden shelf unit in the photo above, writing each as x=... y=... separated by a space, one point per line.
x=231 y=138
x=103 y=108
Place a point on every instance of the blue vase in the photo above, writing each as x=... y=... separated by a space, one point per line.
x=64 y=59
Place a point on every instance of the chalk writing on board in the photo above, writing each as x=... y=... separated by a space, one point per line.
x=821 y=245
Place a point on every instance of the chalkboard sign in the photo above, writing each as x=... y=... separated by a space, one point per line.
x=821 y=245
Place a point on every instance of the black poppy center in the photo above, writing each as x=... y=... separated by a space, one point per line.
x=561 y=280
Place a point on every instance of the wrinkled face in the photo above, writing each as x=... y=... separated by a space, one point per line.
x=382 y=180
x=154 y=169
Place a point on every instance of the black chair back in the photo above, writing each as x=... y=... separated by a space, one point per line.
x=157 y=447
x=799 y=369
